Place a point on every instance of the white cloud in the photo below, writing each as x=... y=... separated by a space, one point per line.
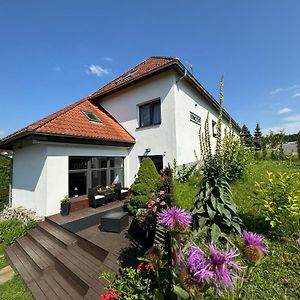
x=107 y=58
x=288 y=128
x=276 y=91
x=284 y=111
x=293 y=118
x=290 y=125
x=98 y=70
x=56 y=68
x=287 y=89
x=296 y=95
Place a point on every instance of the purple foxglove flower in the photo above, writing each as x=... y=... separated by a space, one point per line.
x=254 y=239
x=175 y=219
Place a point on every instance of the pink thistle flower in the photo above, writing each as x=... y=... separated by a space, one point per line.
x=254 y=239
x=163 y=203
x=298 y=241
x=218 y=266
x=151 y=203
x=175 y=219
x=222 y=265
x=157 y=200
x=198 y=265
x=162 y=193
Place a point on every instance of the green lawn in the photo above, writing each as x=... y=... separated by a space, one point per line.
x=15 y=288
x=278 y=277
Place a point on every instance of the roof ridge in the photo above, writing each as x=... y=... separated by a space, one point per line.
x=115 y=80
x=163 y=57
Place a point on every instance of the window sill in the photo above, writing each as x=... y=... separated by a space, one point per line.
x=148 y=126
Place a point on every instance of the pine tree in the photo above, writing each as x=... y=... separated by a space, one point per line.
x=257 y=137
x=247 y=136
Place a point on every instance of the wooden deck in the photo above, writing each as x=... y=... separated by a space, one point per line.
x=56 y=263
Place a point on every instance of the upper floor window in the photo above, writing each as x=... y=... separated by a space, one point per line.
x=150 y=114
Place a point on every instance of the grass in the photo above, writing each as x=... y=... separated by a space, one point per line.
x=14 y=290
x=278 y=277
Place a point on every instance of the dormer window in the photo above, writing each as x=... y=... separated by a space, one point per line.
x=91 y=116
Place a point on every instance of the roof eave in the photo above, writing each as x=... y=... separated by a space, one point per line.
x=8 y=144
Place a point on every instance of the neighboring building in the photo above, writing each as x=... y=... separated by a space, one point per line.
x=155 y=109
x=290 y=148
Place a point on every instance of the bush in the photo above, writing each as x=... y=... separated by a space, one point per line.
x=129 y=285
x=237 y=157
x=4 y=180
x=280 y=200
x=11 y=229
x=146 y=183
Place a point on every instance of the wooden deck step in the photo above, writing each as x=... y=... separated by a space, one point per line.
x=39 y=259
x=75 y=265
x=57 y=233
x=22 y=265
x=62 y=288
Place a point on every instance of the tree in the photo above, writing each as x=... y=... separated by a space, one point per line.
x=4 y=180
x=257 y=137
x=145 y=184
x=246 y=136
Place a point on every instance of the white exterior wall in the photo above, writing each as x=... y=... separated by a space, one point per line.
x=41 y=173
x=187 y=100
x=29 y=178
x=161 y=139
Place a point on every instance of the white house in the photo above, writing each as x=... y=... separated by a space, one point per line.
x=155 y=109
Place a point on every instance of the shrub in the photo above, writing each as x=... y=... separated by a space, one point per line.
x=146 y=183
x=237 y=158
x=129 y=284
x=11 y=229
x=184 y=173
x=4 y=180
x=280 y=199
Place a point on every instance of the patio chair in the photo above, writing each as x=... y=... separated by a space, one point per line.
x=95 y=200
x=122 y=193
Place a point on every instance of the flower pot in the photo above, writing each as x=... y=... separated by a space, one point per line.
x=65 y=208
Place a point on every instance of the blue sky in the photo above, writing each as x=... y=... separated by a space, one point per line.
x=55 y=52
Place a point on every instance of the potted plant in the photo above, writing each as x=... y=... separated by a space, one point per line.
x=65 y=206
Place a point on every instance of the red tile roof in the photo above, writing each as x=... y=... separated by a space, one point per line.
x=70 y=121
x=149 y=65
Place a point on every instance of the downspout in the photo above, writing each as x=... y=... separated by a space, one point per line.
x=182 y=77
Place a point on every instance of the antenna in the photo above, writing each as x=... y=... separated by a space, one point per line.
x=190 y=66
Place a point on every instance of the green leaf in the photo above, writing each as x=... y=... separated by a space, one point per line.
x=273 y=223
x=215 y=232
x=179 y=291
x=211 y=212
